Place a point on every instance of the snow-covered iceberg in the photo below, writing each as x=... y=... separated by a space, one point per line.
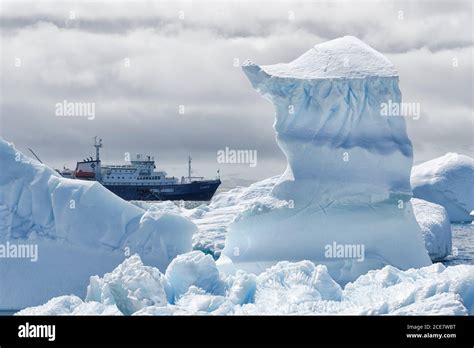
x=447 y=181
x=192 y=284
x=77 y=228
x=347 y=183
x=435 y=227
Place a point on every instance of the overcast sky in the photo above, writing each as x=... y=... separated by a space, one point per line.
x=139 y=61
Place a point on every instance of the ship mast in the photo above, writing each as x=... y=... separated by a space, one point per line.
x=189 y=168
x=97 y=145
x=97 y=168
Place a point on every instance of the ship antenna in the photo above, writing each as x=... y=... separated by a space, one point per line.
x=35 y=155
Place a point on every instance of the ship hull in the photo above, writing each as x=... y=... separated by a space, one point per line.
x=194 y=191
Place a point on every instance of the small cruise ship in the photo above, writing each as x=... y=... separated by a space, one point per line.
x=140 y=180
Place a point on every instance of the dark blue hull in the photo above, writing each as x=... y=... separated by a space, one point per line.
x=194 y=191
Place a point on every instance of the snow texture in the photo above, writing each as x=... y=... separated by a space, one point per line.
x=348 y=174
x=447 y=181
x=284 y=289
x=79 y=227
x=346 y=57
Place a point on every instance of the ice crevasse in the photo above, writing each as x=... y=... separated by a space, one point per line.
x=347 y=181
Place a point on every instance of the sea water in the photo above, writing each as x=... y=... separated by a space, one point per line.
x=463 y=245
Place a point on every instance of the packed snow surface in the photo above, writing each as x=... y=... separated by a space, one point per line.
x=78 y=227
x=435 y=227
x=347 y=182
x=192 y=284
x=346 y=57
x=447 y=181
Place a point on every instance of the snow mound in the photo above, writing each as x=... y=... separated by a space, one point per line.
x=435 y=227
x=286 y=288
x=79 y=228
x=345 y=57
x=347 y=181
x=71 y=305
x=447 y=181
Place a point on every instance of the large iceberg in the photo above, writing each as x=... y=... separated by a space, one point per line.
x=74 y=229
x=286 y=288
x=346 y=189
x=447 y=181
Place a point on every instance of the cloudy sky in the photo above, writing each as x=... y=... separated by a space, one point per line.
x=140 y=61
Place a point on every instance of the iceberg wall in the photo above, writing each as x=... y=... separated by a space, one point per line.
x=435 y=228
x=347 y=182
x=78 y=228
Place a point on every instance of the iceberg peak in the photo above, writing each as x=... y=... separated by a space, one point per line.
x=345 y=57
